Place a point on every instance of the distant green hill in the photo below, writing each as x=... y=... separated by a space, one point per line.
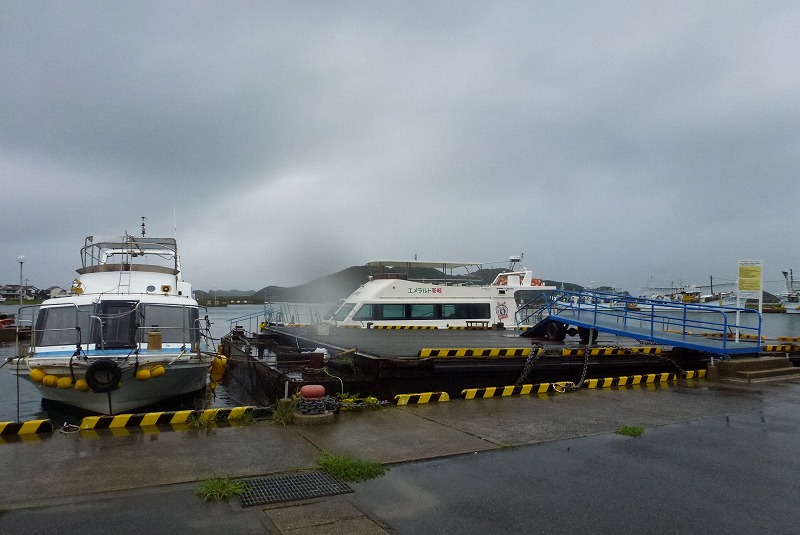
x=337 y=286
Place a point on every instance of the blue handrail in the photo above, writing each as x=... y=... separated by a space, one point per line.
x=699 y=326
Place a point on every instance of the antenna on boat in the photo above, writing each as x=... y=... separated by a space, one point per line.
x=143 y=229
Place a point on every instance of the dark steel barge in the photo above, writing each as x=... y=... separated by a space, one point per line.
x=276 y=361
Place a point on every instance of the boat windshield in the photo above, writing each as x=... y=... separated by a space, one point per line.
x=530 y=297
x=116 y=324
x=343 y=311
x=176 y=323
x=63 y=325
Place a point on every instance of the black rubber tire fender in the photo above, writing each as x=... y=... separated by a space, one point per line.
x=103 y=375
x=556 y=331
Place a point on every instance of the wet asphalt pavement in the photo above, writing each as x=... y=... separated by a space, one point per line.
x=726 y=474
x=713 y=459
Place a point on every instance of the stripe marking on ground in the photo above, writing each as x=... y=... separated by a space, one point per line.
x=163 y=418
x=425 y=397
x=453 y=352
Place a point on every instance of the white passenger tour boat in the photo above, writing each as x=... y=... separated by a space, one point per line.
x=445 y=300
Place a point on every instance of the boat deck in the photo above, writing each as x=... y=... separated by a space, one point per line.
x=407 y=343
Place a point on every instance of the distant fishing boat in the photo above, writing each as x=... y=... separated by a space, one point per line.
x=128 y=333
x=10 y=331
x=791 y=297
x=690 y=294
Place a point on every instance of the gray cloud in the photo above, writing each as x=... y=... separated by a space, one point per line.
x=611 y=142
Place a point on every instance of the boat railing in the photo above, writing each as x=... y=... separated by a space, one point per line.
x=656 y=315
x=279 y=313
x=26 y=317
x=534 y=310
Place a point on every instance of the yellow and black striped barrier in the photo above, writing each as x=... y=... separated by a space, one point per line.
x=783 y=348
x=733 y=335
x=788 y=339
x=594 y=352
x=646 y=350
x=477 y=352
x=607 y=382
x=505 y=391
x=30 y=427
x=425 y=397
x=404 y=327
x=544 y=388
x=674 y=331
x=633 y=380
x=166 y=418
x=605 y=351
x=692 y=374
x=469 y=328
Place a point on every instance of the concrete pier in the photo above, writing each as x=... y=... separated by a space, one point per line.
x=718 y=456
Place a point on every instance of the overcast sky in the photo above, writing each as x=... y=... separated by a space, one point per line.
x=613 y=143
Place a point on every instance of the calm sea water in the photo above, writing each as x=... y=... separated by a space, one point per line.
x=24 y=403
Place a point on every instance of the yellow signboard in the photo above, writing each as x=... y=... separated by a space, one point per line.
x=750 y=272
x=749 y=285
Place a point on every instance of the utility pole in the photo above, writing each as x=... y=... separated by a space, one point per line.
x=21 y=260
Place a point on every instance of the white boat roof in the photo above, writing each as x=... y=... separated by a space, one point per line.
x=120 y=242
x=418 y=264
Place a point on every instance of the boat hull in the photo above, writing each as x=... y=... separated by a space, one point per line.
x=131 y=392
x=791 y=307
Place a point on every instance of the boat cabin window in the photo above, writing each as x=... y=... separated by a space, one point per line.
x=423 y=312
x=344 y=311
x=365 y=312
x=175 y=323
x=61 y=326
x=467 y=311
x=118 y=325
x=419 y=311
x=394 y=312
x=531 y=297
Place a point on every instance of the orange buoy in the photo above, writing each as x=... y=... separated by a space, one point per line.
x=312 y=391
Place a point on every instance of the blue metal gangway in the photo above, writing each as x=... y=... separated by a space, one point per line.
x=709 y=328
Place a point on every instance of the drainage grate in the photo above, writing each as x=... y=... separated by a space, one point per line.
x=289 y=487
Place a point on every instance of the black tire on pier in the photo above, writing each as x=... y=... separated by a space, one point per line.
x=584 y=334
x=556 y=331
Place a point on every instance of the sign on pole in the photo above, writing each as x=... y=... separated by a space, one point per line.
x=749 y=285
